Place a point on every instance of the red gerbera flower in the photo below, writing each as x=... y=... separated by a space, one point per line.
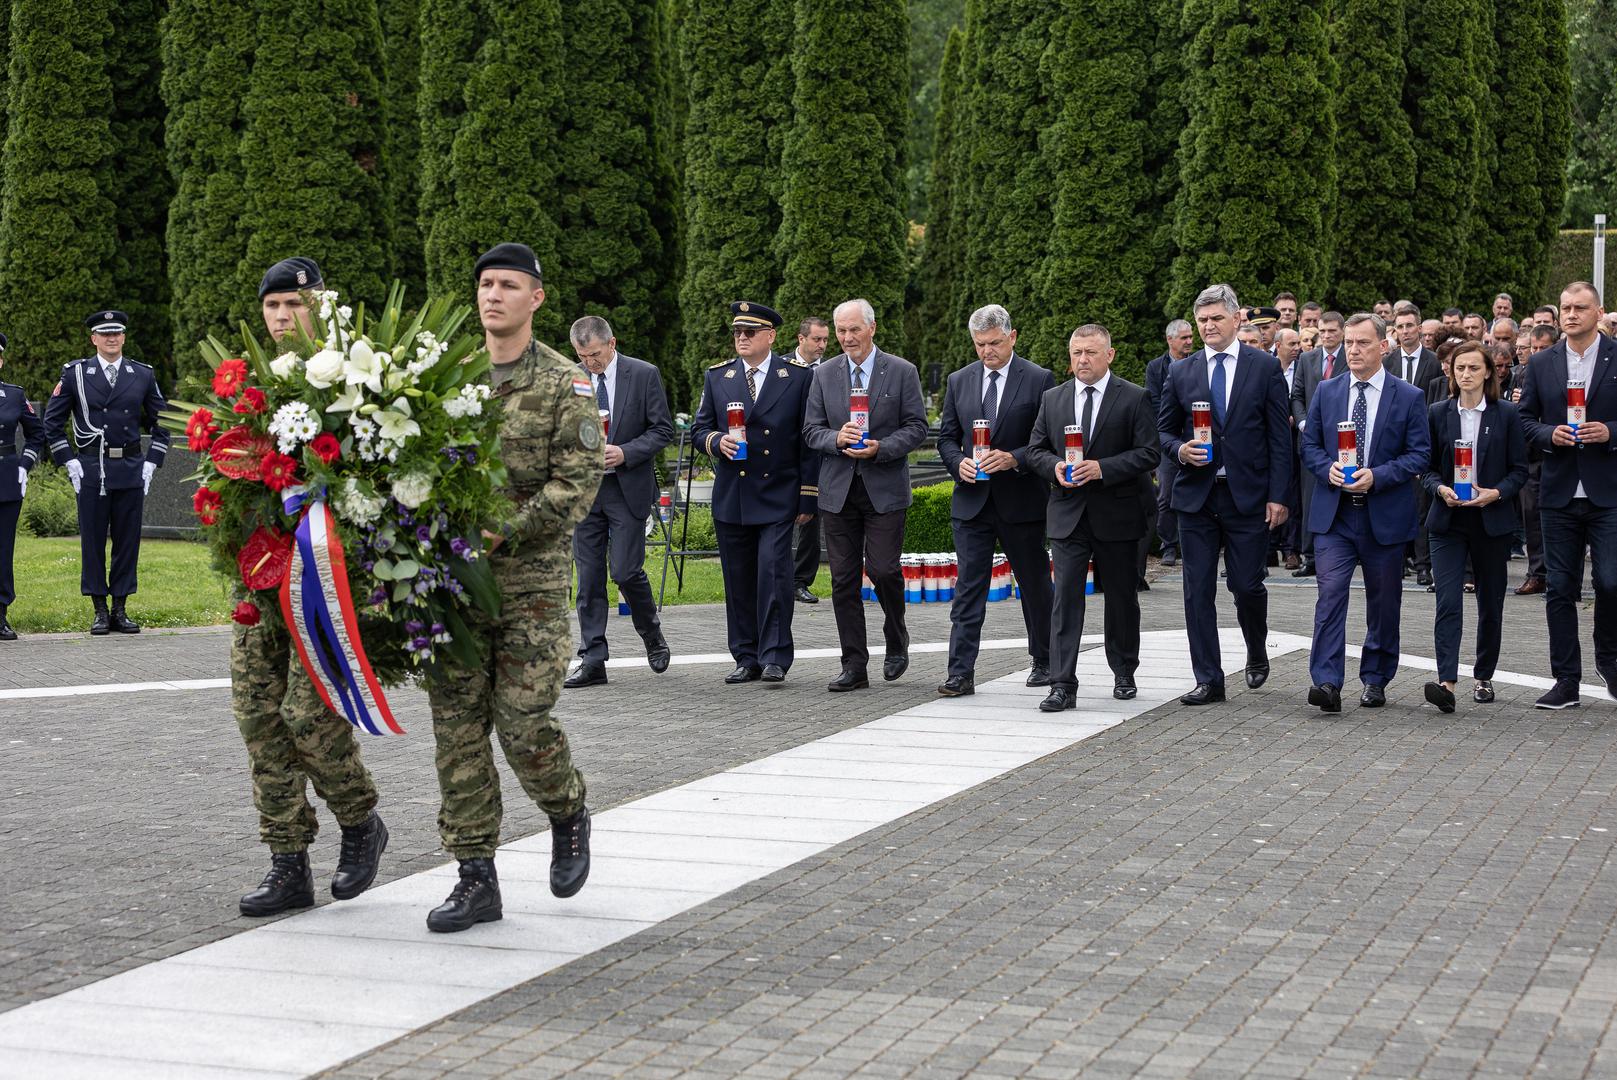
x=326 y=447
x=201 y=429
x=252 y=401
x=264 y=558
x=228 y=377
x=278 y=471
x=206 y=503
x=246 y=613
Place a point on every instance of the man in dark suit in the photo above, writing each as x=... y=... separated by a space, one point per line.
x=1314 y=367
x=758 y=497
x=1099 y=513
x=1181 y=343
x=1543 y=338
x=629 y=393
x=1577 y=488
x=1366 y=522
x=813 y=335
x=1417 y=365
x=1231 y=491
x=865 y=490
x=107 y=399
x=1000 y=498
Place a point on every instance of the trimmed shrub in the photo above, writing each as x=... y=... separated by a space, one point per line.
x=50 y=508
x=926 y=525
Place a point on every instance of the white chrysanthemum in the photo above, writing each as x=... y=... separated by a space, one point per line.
x=355 y=506
x=469 y=402
x=292 y=425
x=364 y=427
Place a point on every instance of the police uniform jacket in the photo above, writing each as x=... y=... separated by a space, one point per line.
x=15 y=414
x=106 y=422
x=779 y=478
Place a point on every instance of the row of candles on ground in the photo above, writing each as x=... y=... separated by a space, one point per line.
x=931 y=579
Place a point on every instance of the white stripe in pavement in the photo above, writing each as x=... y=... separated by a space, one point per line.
x=111 y=688
x=301 y=995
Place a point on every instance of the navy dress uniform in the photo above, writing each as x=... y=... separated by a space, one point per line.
x=16 y=414
x=104 y=405
x=756 y=501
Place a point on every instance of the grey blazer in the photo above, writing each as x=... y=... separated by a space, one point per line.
x=641 y=427
x=1309 y=366
x=897 y=422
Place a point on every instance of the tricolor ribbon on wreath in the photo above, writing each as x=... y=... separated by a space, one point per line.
x=319 y=610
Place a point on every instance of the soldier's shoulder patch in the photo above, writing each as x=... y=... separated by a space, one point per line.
x=58 y=391
x=721 y=363
x=29 y=405
x=581 y=386
x=798 y=361
x=589 y=434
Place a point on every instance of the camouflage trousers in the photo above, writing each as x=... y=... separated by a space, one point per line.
x=291 y=735
x=511 y=694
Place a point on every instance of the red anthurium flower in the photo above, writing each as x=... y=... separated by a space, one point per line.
x=228 y=377
x=265 y=558
x=246 y=613
x=206 y=503
x=201 y=429
x=252 y=401
x=278 y=470
x=326 y=447
x=239 y=452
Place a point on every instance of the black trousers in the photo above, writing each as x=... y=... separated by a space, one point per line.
x=1490 y=558
x=610 y=532
x=1568 y=530
x=9 y=513
x=806 y=564
x=1534 y=524
x=1244 y=540
x=1114 y=577
x=116 y=514
x=974 y=541
x=756 y=561
x=1420 y=548
x=858 y=537
x=1167 y=520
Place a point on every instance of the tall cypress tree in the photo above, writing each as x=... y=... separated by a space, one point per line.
x=58 y=225
x=843 y=230
x=314 y=145
x=617 y=198
x=450 y=33
x=1254 y=218
x=5 y=70
x=1165 y=92
x=1099 y=263
x=1375 y=157
x=940 y=257
x=1444 y=97
x=961 y=205
x=738 y=101
x=207 y=51
x=1556 y=146
x=402 y=62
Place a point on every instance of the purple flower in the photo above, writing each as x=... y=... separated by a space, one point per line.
x=455 y=587
x=459 y=547
x=451 y=453
x=379 y=597
x=423 y=535
x=469 y=456
x=414 y=627
x=369 y=565
x=423 y=587
x=420 y=644
x=437 y=628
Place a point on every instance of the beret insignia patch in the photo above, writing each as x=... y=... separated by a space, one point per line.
x=589 y=434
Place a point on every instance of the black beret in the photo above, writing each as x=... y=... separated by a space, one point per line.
x=291 y=275
x=746 y=313
x=107 y=321
x=508 y=257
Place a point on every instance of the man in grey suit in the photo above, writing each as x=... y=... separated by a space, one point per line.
x=1314 y=367
x=865 y=491
x=1411 y=361
x=630 y=393
x=1000 y=499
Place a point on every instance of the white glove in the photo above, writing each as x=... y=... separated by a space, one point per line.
x=22 y=479
x=146 y=471
x=75 y=473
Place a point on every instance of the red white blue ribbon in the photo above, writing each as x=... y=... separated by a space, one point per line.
x=319 y=611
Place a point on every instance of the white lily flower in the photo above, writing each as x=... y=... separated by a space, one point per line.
x=364 y=366
x=325 y=367
x=349 y=400
x=394 y=423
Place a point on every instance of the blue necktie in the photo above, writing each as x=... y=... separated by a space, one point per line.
x=600 y=393
x=1219 y=399
x=1361 y=416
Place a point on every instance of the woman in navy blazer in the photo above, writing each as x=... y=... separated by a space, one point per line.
x=1480 y=527
x=16 y=415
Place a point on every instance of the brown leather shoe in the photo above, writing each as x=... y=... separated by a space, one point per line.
x=1530 y=587
x=1293 y=562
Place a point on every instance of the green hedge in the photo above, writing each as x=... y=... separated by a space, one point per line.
x=1572 y=258
x=49 y=508
x=926 y=527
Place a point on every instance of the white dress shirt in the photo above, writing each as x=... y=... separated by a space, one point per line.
x=610 y=375
x=1409 y=365
x=107 y=367
x=758 y=379
x=1471 y=431
x=1078 y=407
x=1230 y=353
x=1372 y=403
x=1582 y=366
x=998 y=384
x=867 y=367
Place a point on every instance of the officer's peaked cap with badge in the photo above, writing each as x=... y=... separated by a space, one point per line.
x=508 y=257
x=746 y=313
x=1263 y=316
x=107 y=321
x=291 y=275
x=3 y=343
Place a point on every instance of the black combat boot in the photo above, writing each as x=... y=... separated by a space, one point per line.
x=102 y=626
x=569 y=853
x=362 y=847
x=120 y=621
x=474 y=899
x=288 y=885
x=6 y=632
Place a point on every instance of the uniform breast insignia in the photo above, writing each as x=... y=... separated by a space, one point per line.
x=780 y=373
x=589 y=434
x=581 y=386
x=730 y=374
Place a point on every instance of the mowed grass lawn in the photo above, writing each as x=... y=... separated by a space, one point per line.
x=178 y=586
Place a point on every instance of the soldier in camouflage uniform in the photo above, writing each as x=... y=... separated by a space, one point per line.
x=290 y=733
x=552 y=445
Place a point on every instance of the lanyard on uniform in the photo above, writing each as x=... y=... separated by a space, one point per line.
x=88 y=432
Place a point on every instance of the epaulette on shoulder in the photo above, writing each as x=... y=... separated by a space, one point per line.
x=138 y=363
x=721 y=363
x=798 y=361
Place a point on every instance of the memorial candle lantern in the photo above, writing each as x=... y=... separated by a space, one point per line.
x=979 y=446
x=1075 y=447
x=859 y=413
x=1201 y=425
x=1576 y=400
x=738 y=427
x=1464 y=468
x=606 y=425
x=1347 y=449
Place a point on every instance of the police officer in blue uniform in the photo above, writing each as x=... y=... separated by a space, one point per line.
x=15 y=413
x=105 y=401
x=759 y=497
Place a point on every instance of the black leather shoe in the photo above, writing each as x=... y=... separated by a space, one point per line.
x=803 y=596
x=1257 y=673
x=1170 y=557
x=1060 y=699
x=657 y=653
x=1441 y=696
x=1039 y=676
x=587 y=675
x=894 y=666
x=743 y=673
x=1563 y=695
x=1305 y=570
x=102 y=624
x=1373 y=697
x=1326 y=697
x=6 y=632
x=362 y=847
x=958 y=686
x=121 y=622
x=1482 y=693
x=1423 y=578
x=1204 y=694
x=569 y=853
x=474 y=899
x=1608 y=674
x=773 y=673
x=1123 y=688
x=849 y=680
x=289 y=885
